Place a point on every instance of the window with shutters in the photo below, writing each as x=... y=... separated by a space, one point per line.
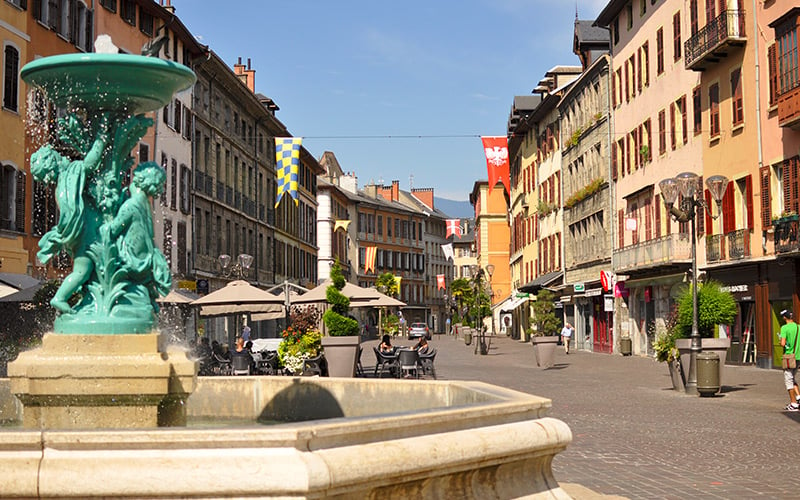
x=173 y=178
x=167 y=246
x=697 y=111
x=109 y=4
x=746 y=188
x=648 y=141
x=684 y=118
x=633 y=214
x=737 y=108
x=645 y=69
x=627 y=81
x=706 y=215
x=620 y=228
x=186 y=188
x=614 y=161
x=632 y=69
x=693 y=16
x=700 y=225
x=639 y=71
x=659 y=51
x=676 y=36
x=648 y=219
x=613 y=90
x=787 y=55
x=128 y=11
x=713 y=107
x=181 y=250
x=764 y=186
x=8 y=193
x=11 y=78
x=662 y=132
x=619 y=86
x=673 y=124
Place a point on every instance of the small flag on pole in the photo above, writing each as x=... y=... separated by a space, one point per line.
x=287 y=162
x=341 y=224
x=453 y=227
x=447 y=250
x=497 y=165
x=369 y=259
x=440 y=282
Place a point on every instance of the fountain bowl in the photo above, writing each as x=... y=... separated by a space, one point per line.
x=108 y=82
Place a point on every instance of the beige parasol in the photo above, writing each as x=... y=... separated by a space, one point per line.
x=351 y=291
x=238 y=297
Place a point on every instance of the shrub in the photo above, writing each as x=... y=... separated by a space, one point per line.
x=714 y=307
x=335 y=318
x=544 y=317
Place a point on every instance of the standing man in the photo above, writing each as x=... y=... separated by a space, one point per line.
x=447 y=326
x=566 y=336
x=789 y=337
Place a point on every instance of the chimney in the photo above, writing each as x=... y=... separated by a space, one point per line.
x=245 y=74
x=167 y=4
x=385 y=191
x=371 y=191
x=395 y=190
x=425 y=195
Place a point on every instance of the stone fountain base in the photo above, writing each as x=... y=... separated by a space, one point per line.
x=102 y=381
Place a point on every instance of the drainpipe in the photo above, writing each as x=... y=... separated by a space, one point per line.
x=758 y=115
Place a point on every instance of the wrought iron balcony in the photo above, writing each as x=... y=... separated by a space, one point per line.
x=715 y=248
x=713 y=41
x=786 y=234
x=670 y=249
x=738 y=244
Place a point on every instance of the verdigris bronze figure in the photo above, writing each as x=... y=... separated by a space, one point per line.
x=104 y=226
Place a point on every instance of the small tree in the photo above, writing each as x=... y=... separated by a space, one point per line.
x=461 y=290
x=544 y=318
x=386 y=283
x=335 y=318
x=714 y=307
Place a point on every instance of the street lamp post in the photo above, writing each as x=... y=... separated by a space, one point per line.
x=686 y=184
x=236 y=269
x=490 y=272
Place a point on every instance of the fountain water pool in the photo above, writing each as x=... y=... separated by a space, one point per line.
x=95 y=400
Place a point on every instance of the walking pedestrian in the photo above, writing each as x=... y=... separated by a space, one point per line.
x=789 y=341
x=566 y=336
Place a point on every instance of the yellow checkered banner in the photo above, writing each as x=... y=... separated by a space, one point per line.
x=287 y=162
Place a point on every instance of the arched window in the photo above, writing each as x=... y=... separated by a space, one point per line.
x=10 y=78
x=12 y=198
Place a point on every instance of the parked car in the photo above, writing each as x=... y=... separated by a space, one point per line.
x=417 y=330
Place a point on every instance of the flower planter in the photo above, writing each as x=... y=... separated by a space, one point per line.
x=544 y=350
x=341 y=353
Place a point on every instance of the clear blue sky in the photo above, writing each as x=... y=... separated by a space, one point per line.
x=379 y=68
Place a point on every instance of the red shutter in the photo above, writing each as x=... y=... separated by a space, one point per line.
x=614 y=161
x=766 y=202
x=728 y=210
x=613 y=91
x=672 y=125
x=648 y=219
x=657 y=210
x=708 y=220
x=621 y=233
x=748 y=197
x=772 y=60
x=649 y=128
x=639 y=72
x=558 y=191
x=684 y=120
x=662 y=132
x=558 y=240
x=646 y=70
x=790 y=185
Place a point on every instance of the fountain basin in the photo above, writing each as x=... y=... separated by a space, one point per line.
x=367 y=439
x=108 y=82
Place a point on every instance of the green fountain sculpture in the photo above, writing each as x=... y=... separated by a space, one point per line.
x=105 y=227
x=104 y=364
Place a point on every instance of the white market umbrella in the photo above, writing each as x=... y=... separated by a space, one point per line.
x=351 y=291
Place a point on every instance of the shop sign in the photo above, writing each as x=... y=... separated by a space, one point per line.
x=578 y=287
x=620 y=290
x=594 y=292
x=608 y=303
x=734 y=288
x=607 y=280
x=187 y=285
x=202 y=287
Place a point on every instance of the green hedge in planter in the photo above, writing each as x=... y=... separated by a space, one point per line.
x=714 y=307
x=335 y=318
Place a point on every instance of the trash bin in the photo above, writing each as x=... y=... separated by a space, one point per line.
x=468 y=337
x=707 y=373
x=625 y=346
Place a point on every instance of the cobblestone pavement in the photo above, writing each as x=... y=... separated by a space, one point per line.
x=634 y=436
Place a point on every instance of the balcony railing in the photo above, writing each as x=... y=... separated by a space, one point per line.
x=786 y=234
x=789 y=108
x=738 y=244
x=715 y=248
x=661 y=251
x=710 y=43
x=220 y=191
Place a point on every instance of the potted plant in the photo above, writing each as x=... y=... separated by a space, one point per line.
x=667 y=352
x=714 y=307
x=544 y=328
x=297 y=346
x=343 y=342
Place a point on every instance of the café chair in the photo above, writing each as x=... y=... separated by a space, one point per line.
x=426 y=362
x=409 y=362
x=241 y=364
x=385 y=362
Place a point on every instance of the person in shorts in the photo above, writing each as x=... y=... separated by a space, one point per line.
x=789 y=338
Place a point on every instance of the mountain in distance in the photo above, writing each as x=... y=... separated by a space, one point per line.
x=453 y=208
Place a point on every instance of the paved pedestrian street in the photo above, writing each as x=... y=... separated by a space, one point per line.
x=635 y=437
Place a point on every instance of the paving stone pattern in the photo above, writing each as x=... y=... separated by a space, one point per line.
x=636 y=437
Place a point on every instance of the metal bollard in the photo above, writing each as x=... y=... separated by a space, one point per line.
x=707 y=373
x=468 y=337
x=625 y=346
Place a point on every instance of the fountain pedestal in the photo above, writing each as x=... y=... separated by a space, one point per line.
x=102 y=381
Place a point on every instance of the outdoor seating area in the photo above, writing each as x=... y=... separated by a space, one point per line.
x=404 y=362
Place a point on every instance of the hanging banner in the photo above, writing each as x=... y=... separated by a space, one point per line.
x=369 y=259
x=447 y=250
x=440 y=282
x=453 y=227
x=341 y=224
x=497 y=165
x=287 y=164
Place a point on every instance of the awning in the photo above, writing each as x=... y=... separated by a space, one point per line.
x=512 y=304
x=541 y=281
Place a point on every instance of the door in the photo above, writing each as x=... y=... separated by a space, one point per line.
x=602 y=334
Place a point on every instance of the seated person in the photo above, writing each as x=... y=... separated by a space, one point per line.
x=386 y=345
x=203 y=349
x=242 y=351
x=422 y=345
